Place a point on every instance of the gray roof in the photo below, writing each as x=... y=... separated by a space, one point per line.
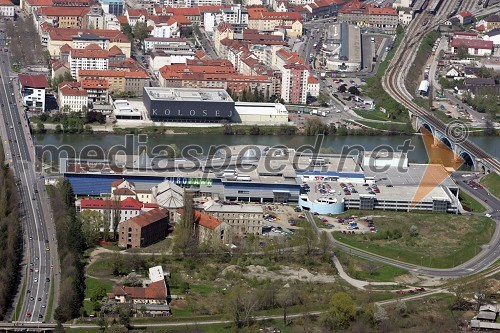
x=486 y=315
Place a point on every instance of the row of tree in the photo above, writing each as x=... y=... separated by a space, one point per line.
x=71 y=245
x=10 y=236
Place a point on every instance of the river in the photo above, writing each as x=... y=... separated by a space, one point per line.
x=338 y=143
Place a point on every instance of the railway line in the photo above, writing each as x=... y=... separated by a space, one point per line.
x=393 y=80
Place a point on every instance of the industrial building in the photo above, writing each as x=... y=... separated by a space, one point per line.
x=323 y=184
x=343 y=48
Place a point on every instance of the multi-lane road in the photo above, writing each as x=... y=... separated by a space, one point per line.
x=39 y=246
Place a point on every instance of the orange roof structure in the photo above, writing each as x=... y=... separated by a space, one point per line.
x=149 y=217
x=94 y=84
x=67 y=34
x=112 y=73
x=58 y=11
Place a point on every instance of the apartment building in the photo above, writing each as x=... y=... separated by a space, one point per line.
x=123 y=210
x=236 y=16
x=361 y=14
x=270 y=21
x=32 y=89
x=71 y=97
x=7 y=8
x=119 y=81
x=294 y=83
x=223 y=31
x=241 y=219
x=91 y=57
x=62 y=17
x=163 y=44
x=136 y=15
x=31 y=6
x=97 y=90
x=81 y=38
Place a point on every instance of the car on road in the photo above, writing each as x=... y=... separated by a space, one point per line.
x=40 y=316
x=32 y=298
x=39 y=299
x=35 y=280
x=44 y=306
x=420 y=289
x=28 y=314
x=28 y=291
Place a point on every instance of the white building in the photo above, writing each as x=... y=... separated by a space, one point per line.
x=158 y=59
x=294 y=83
x=236 y=16
x=405 y=16
x=169 y=29
x=70 y=95
x=160 y=43
x=6 y=8
x=260 y=113
x=91 y=57
x=32 y=88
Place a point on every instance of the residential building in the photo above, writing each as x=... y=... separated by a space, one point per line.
x=151 y=297
x=7 y=8
x=115 y=7
x=236 y=16
x=136 y=15
x=145 y=229
x=165 y=27
x=294 y=83
x=72 y=3
x=71 y=97
x=32 y=89
x=474 y=46
x=405 y=16
x=92 y=57
x=157 y=43
x=119 y=81
x=362 y=14
x=122 y=210
x=210 y=229
x=81 y=38
x=491 y=22
x=31 y=6
x=97 y=91
x=270 y=21
x=59 y=68
x=62 y=17
x=494 y=36
x=241 y=219
x=95 y=18
x=465 y=17
x=313 y=86
x=159 y=59
x=321 y=8
x=473 y=86
x=223 y=31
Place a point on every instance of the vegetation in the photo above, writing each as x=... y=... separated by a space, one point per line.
x=423 y=54
x=71 y=244
x=365 y=270
x=470 y=204
x=485 y=101
x=443 y=240
x=10 y=236
x=392 y=128
x=492 y=183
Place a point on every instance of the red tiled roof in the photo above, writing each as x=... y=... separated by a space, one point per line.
x=63 y=11
x=95 y=84
x=181 y=19
x=289 y=16
x=472 y=43
x=33 y=81
x=117 y=182
x=58 y=64
x=115 y=50
x=6 y=3
x=203 y=219
x=90 y=51
x=71 y=89
x=129 y=203
x=290 y=57
x=39 y=3
x=113 y=73
x=465 y=14
x=123 y=191
x=149 y=217
x=136 y=12
x=67 y=34
x=122 y=19
x=65 y=48
x=155 y=290
x=188 y=11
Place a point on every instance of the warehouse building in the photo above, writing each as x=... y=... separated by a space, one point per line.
x=260 y=113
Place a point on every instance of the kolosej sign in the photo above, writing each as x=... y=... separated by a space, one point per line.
x=190 y=113
x=190 y=181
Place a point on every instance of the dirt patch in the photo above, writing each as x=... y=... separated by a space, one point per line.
x=178 y=304
x=407 y=279
x=285 y=273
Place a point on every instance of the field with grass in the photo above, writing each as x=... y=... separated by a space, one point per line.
x=163 y=246
x=440 y=240
x=470 y=204
x=373 y=115
x=492 y=183
x=361 y=269
x=392 y=127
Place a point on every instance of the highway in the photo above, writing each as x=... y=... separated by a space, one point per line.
x=39 y=246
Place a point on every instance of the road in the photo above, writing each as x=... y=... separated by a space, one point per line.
x=38 y=244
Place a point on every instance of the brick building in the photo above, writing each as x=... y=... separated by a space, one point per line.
x=144 y=229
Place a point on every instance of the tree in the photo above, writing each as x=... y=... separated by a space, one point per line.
x=59 y=328
x=127 y=30
x=342 y=310
x=102 y=323
x=462 y=51
x=380 y=314
x=40 y=127
x=353 y=90
x=324 y=245
x=342 y=88
x=96 y=296
x=401 y=308
x=141 y=31
x=185 y=240
x=124 y=312
x=241 y=305
x=92 y=223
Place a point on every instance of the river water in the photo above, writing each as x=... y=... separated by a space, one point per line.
x=338 y=143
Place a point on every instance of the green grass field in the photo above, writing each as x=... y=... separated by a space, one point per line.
x=443 y=240
x=361 y=269
x=470 y=204
x=385 y=126
x=492 y=183
x=373 y=115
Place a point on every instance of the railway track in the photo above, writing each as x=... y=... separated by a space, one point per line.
x=393 y=80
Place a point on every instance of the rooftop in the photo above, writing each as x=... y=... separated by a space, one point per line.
x=188 y=94
x=149 y=217
x=33 y=81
